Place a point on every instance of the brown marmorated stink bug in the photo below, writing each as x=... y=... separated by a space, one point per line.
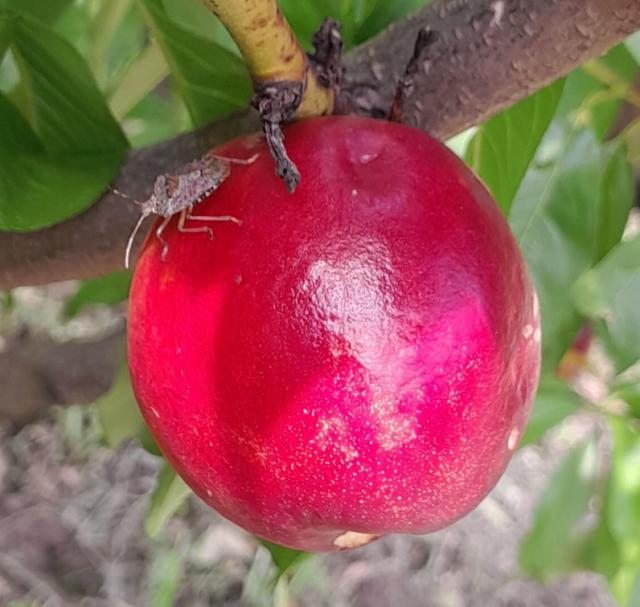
x=178 y=193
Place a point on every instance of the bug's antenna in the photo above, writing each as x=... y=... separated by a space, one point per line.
x=127 y=255
x=123 y=195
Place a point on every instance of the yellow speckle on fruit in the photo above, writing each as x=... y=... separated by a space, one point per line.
x=353 y=539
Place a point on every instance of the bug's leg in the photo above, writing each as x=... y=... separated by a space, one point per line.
x=230 y=218
x=184 y=215
x=165 y=244
x=250 y=160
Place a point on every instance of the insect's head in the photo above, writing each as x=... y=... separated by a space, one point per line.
x=148 y=207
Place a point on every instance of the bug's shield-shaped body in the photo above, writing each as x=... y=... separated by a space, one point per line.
x=187 y=186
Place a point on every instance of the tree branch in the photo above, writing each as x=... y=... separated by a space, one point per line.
x=489 y=54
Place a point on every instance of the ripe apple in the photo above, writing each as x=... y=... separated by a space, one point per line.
x=356 y=359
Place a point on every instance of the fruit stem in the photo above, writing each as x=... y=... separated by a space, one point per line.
x=287 y=84
x=272 y=51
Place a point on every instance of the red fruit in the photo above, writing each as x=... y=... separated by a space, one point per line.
x=355 y=359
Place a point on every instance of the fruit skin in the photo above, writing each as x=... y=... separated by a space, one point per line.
x=355 y=359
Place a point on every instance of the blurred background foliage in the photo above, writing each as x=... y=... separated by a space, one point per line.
x=84 y=81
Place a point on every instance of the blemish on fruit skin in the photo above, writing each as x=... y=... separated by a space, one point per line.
x=366 y=158
x=527 y=331
x=393 y=428
x=353 y=539
x=512 y=439
x=536 y=306
x=333 y=433
x=155 y=412
x=537 y=335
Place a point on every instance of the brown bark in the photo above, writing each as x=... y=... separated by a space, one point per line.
x=489 y=54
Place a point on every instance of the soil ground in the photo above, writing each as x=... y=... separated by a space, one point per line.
x=72 y=533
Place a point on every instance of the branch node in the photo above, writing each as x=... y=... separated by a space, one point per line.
x=276 y=103
x=426 y=37
x=326 y=60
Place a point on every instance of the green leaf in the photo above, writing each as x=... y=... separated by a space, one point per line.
x=616 y=200
x=554 y=402
x=144 y=74
x=305 y=17
x=281 y=593
x=360 y=19
x=634 y=598
x=504 y=146
x=66 y=108
x=546 y=550
x=118 y=411
x=284 y=558
x=565 y=214
x=16 y=133
x=599 y=551
x=57 y=166
x=624 y=516
x=629 y=392
x=588 y=96
x=46 y=11
x=7 y=302
x=116 y=36
x=5 y=39
x=382 y=14
x=611 y=292
x=156 y=118
x=109 y=290
x=170 y=495
x=194 y=16
x=164 y=578
x=212 y=80
x=258 y=586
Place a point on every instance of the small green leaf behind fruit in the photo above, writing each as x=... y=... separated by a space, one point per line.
x=549 y=547
x=628 y=391
x=594 y=92
x=109 y=290
x=164 y=578
x=623 y=510
x=284 y=558
x=504 y=146
x=571 y=207
x=555 y=401
x=610 y=292
x=171 y=493
x=118 y=411
x=381 y=13
x=360 y=19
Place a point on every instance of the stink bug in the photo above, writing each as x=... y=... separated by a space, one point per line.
x=178 y=193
